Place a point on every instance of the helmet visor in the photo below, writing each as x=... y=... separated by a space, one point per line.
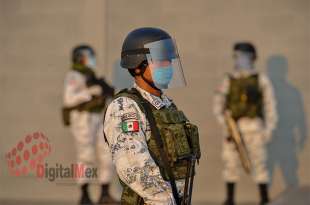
x=165 y=64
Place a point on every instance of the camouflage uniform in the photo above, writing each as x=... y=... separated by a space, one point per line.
x=86 y=127
x=256 y=117
x=136 y=166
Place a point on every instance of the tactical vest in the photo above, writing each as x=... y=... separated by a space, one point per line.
x=181 y=141
x=96 y=105
x=245 y=97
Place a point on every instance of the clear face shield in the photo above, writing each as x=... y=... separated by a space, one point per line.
x=90 y=59
x=165 y=64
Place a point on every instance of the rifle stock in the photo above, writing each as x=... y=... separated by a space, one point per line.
x=96 y=102
x=239 y=143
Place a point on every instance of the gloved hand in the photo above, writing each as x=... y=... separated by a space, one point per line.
x=229 y=139
x=94 y=102
x=95 y=90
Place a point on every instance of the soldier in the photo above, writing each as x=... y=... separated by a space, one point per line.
x=84 y=99
x=248 y=96
x=154 y=147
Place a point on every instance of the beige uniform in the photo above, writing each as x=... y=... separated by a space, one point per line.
x=87 y=128
x=256 y=132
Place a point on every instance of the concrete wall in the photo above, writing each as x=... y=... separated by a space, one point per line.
x=205 y=32
x=36 y=42
x=36 y=38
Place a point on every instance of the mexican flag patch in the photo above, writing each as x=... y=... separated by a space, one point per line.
x=130 y=126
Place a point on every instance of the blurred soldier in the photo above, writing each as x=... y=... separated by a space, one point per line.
x=153 y=145
x=85 y=96
x=248 y=96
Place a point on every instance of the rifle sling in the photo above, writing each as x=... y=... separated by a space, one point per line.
x=160 y=144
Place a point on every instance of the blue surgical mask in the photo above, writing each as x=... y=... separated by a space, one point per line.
x=162 y=76
x=243 y=62
x=91 y=63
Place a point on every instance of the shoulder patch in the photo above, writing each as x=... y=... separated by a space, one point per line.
x=130 y=126
x=129 y=116
x=72 y=81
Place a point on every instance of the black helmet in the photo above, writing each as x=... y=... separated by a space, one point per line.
x=246 y=47
x=133 y=50
x=77 y=52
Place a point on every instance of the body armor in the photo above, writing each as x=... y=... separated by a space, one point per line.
x=97 y=103
x=181 y=142
x=245 y=97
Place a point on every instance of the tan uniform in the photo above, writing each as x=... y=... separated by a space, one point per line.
x=255 y=131
x=87 y=128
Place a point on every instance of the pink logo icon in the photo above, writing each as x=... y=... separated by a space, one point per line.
x=28 y=154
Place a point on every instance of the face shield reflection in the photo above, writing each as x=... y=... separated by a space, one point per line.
x=90 y=59
x=165 y=64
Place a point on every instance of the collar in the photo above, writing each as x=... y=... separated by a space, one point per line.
x=83 y=69
x=157 y=102
x=244 y=73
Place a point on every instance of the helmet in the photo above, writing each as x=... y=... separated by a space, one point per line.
x=246 y=47
x=134 y=50
x=79 y=51
x=153 y=48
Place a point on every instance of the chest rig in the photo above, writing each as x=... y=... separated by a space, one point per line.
x=97 y=103
x=245 y=97
x=180 y=143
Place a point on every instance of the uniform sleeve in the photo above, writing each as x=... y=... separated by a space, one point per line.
x=75 y=90
x=220 y=101
x=125 y=128
x=270 y=112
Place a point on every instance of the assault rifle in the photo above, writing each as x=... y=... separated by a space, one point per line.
x=239 y=142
